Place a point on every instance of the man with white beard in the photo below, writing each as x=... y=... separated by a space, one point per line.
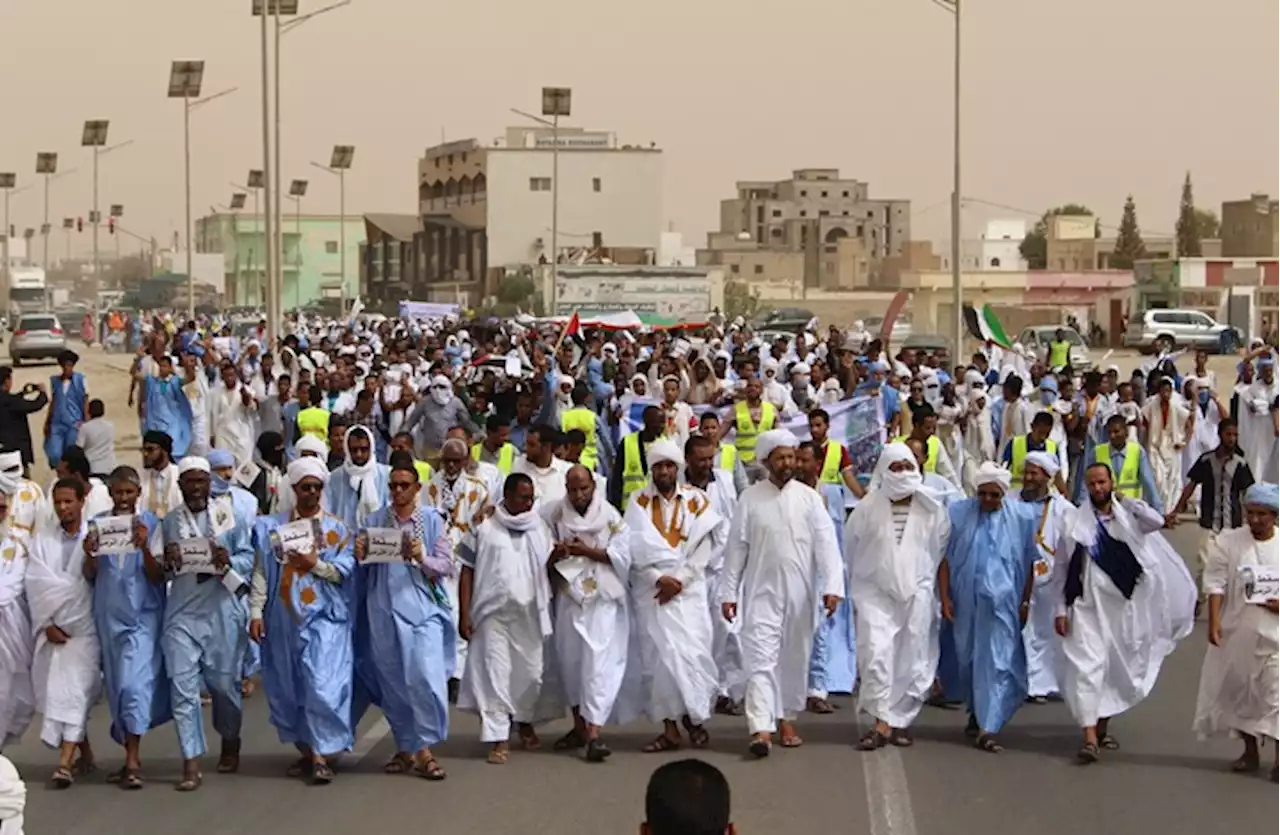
x=232 y=412
x=1124 y=598
x=504 y=612
x=590 y=558
x=700 y=454
x=894 y=541
x=781 y=545
x=17 y=701
x=1044 y=648
x=1238 y=693
x=670 y=672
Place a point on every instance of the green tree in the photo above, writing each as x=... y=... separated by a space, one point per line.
x=1188 y=228
x=740 y=299
x=1035 y=246
x=1129 y=245
x=1207 y=224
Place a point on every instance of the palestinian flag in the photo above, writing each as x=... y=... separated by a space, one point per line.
x=573 y=330
x=985 y=325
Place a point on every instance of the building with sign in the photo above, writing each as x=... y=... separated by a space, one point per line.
x=658 y=295
x=1242 y=292
x=489 y=207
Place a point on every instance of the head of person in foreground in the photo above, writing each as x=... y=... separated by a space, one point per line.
x=687 y=797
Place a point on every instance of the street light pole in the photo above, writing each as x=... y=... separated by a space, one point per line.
x=8 y=180
x=957 y=293
x=556 y=102
x=45 y=229
x=95 y=136
x=339 y=162
x=272 y=298
x=278 y=242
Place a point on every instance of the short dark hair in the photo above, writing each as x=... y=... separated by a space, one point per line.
x=1103 y=464
x=72 y=484
x=125 y=473
x=400 y=435
x=545 y=433
x=68 y=356
x=6 y=372
x=575 y=436
x=97 y=408
x=493 y=423
x=1117 y=418
x=401 y=460
x=77 y=462
x=1042 y=419
x=820 y=413
x=1227 y=423
x=809 y=445
x=687 y=797
x=695 y=441
x=513 y=482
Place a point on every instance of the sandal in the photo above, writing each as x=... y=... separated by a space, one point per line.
x=84 y=766
x=191 y=784
x=498 y=756
x=901 y=737
x=571 y=741
x=132 y=780
x=529 y=740
x=760 y=748
x=62 y=777
x=299 y=767
x=726 y=706
x=699 y=737
x=972 y=730
x=987 y=742
x=228 y=764
x=428 y=769
x=1109 y=742
x=872 y=740
x=597 y=751
x=398 y=764
x=1088 y=754
x=817 y=705
x=118 y=775
x=661 y=743
x=1246 y=765
x=321 y=774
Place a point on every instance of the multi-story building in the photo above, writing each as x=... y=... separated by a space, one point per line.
x=1251 y=228
x=312 y=261
x=999 y=248
x=1070 y=244
x=815 y=230
x=489 y=207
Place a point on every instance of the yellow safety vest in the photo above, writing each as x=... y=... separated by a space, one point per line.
x=633 y=474
x=1059 y=354
x=1018 y=458
x=728 y=457
x=506 y=456
x=1128 y=482
x=932 y=448
x=580 y=417
x=745 y=442
x=831 y=463
x=314 y=421
x=424 y=471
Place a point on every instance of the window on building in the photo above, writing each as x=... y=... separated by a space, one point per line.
x=803 y=213
x=844 y=213
x=775 y=232
x=844 y=194
x=824 y=194
x=777 y=212
x=995 y=262
x=451 y=159
x=804 y=193
x=733 y=268
x=331 y=247
x=464 y=156
x=539 y=184
x=596 y=184
x=758 y=269
x=823 y=213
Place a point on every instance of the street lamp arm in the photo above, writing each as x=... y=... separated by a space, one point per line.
x=207 y=99
x=326 y=168
x=537 y=119
x=950 y=6
x=288 y=27
x=57 y=176
x=111 y=148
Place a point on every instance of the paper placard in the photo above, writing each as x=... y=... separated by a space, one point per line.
x=114 y=533
x=299 y=537
x=384 y=545
x=1261 y=583
x=197 y=556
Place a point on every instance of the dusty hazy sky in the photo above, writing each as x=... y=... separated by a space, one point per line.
x=1078 y=101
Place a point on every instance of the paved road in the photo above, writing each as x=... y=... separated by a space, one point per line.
x=1162 y=780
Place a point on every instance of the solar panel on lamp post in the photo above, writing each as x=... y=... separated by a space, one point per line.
x=185 y=80
x=8 y=180
x=556 y=102
x=46 y=164
x=339 y=162
x=297 y=191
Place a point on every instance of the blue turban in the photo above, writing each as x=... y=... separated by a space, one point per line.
x=1048 y=383
x=220 y=458
x=1264 y=493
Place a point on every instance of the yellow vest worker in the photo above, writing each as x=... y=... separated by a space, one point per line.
x=728 y=458
x=932 y=448
x=424 y=471
x=831 y=463
x=1128 y=480
x=314 y=421
x=506 y=456
x=1059 y=354
x=634 y=474
x=1018 y=458
x=748 y=430
x=584 y=420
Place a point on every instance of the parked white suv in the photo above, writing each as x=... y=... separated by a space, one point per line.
x=1164 y=329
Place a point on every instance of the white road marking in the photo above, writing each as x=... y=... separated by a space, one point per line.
x=368 y=740
x=888 y=795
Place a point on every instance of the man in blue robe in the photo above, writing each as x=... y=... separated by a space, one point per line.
x=245 y=507
x=69 y=407
x=204 y=621
x=984 y=584
x=166 y=408
x=128 y=610
x=410 y=626
x=301 y=615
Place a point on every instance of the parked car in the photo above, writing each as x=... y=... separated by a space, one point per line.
x=37 y=336
x=930 y=344
x=1036 y=340
x=1164 y=329
x=900 y=333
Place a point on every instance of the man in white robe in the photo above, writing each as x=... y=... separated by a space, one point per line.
x=1238 y=682
x=17 y=701
x=160 y=491
x=1124 y=598
x=1166 y=418
x=671 y=673
x=540 y=464
x=25 y=496
x=1257 y=429
x=1044 y=647
x=781 y=546
x=13 y=798
x=505 y=615
x=591 y=557
x=232 y=415
x=894 y=541
x=65 y=669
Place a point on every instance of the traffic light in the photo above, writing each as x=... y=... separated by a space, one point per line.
x=111 y=226
x=79 y=224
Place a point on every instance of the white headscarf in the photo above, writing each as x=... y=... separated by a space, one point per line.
x=301 y=468
x=193 y=462
x=771 y=440
x=313 y=445
x=897 y=485
x=1049 y=463
x=362 y=478
x=441 y=390
x=10 y=472
x=992 y=473
x=664 y=450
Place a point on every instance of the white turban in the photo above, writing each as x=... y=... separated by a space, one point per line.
x=664 y=450
x=771 y=440
x=302 y=468
x=992 y=473
x=974 y=379
x=10 y=471
x=565 y=380
x=801 y=368
x=1045 y=461
x=313 y=445
x=769 y=364
x=193 y=462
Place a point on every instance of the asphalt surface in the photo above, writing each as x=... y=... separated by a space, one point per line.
x=1162 y=780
